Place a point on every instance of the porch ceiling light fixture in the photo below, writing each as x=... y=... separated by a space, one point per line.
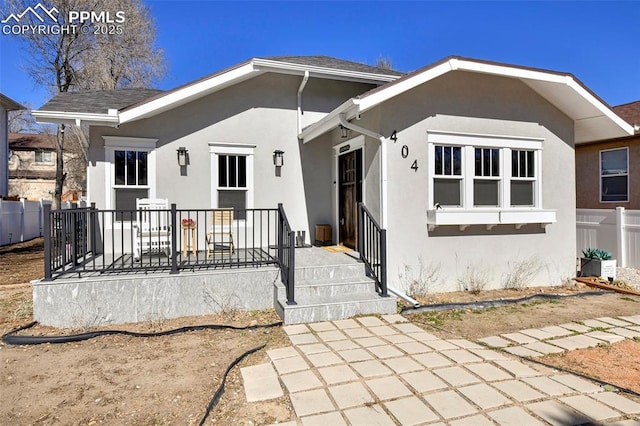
x=182 y=156
x=278 y=158
x=344 y=132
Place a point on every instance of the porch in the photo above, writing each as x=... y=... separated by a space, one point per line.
x=95 y=275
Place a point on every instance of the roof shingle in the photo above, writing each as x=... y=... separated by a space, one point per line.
x=97 y=101
x=335 y=63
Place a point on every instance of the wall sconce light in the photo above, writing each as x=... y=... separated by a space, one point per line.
x=344 y=132
x=278 y=158
x=182 y=156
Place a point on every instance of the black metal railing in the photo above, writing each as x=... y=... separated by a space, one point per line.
x=286 y=254
x=86 y=241
x=372 y=245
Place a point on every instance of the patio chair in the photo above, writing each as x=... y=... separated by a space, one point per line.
x=152 y=228
x=220 y=236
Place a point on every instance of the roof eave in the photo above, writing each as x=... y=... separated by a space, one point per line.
x=322 y=72
x=77 y=118
x=350 y=109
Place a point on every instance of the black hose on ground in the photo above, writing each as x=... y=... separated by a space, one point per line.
x=218 y=393
x=11 y=338
x=497 y=303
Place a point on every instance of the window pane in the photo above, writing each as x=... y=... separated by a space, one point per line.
x=614 y=162
x=142 y=168
x=120 y=167
x=232 y=171
x=438 y=160
x=614 y=188
x=131 y=168
x=446 y=192
x=447 y=160
x=222 y=171
x=233 y=199
x=485 y=192
x=495 y=162
x=126 y=200
x=457 y=161
x=531 y=167
x=478 y=162
x=523 y=163
x=486 y=162
x=521 y=193
x=242 y=171
x=514 y=163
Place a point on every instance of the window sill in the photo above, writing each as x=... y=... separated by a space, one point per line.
x=489 y=217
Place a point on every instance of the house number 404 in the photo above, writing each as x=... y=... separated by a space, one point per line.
x=405 y=154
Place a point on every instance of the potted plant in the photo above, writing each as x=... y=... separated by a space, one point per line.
x=597 y=263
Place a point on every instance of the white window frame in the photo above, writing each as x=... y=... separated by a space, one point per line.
x=625 y=148
x=248 y=151
x=121 y=143
x=467 y=214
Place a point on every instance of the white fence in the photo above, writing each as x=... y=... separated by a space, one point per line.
x=617 y=231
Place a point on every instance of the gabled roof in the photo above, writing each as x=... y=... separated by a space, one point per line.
x=105 y=108
x=31 y=142
x=593 y=118
x=9 y=104
x=630 y=113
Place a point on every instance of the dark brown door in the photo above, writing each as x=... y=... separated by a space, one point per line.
x=350 y=173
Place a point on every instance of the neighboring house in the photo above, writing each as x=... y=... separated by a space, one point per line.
x=32 y=168
x=608 y=172
x=6 y=105
x=468 y=164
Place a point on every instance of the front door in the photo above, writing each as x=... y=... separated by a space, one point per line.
x=350 y=189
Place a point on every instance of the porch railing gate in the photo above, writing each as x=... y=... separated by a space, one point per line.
x=372 y=245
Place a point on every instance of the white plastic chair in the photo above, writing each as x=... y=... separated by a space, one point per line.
x=153 y=227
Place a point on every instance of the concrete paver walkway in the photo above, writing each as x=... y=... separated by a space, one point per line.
x=372 y=371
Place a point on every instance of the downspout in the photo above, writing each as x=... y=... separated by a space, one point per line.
x=300 y=89
x=383 y=163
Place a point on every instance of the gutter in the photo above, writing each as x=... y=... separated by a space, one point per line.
x=383 y=163
x=300 y=89
x=110 y=119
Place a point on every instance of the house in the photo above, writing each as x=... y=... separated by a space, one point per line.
x=32 y=168
x=465 y=167
x=608 y=172
x=6 y=105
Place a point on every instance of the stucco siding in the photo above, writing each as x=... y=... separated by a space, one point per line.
x=260 y=112
x=453 y=258
x=588 y=174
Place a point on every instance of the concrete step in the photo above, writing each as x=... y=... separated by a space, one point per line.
x=332 y=308
x=328 y=272
x=329 y=287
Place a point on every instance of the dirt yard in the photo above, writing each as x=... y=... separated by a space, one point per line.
x=171 y=379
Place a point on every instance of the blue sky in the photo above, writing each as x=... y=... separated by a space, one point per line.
x=598 y=42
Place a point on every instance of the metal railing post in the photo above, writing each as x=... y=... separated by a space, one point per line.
x=280 y=232
x=73 y=212
x=360 y=231
x=292 y=269
x=174 y=231
x=47 y=241
x=383 y=263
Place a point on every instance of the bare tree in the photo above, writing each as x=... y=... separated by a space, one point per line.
x=92 y=56
x=384 y=62
x=21 y=121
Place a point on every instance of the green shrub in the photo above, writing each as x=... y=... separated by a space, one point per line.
x=598 y=254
